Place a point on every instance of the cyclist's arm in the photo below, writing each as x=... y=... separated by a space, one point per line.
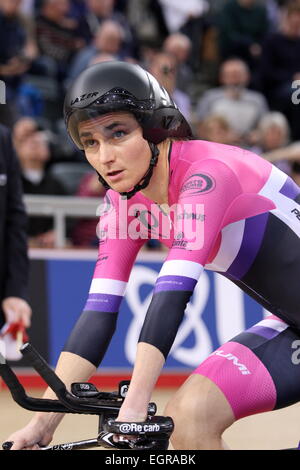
x=95 y=327
x=147 y=367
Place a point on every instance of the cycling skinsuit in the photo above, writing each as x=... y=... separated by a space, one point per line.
x=247 y=213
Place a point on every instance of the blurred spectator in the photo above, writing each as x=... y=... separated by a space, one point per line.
x=57 y=36
x=274 y=13
x=273 y=140
x=28 y=7
x=121 y=6
x=147 y=21
x=187 y=17
x=108 y=40
x=272 y=6
x=17 y=50
x=23 y=128
x=241 y=107
x=78 y=9
x=33 y=152
x=102 y=10
x=27 y=125
x=58 y=40
x=101 y=58
x=242 y=26
x=177 y=14
x=164 y=68
x=84 y=233
x=180 y=46
x=273 y=143
x=217 y=129
x=215 y=6
x=280 y=66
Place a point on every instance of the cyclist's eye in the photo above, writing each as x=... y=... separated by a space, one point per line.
x=89 y=143
x=119 y=133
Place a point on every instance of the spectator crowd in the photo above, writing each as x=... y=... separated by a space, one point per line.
x=232 y=67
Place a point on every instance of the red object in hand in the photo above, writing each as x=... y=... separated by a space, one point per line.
x=17 y=331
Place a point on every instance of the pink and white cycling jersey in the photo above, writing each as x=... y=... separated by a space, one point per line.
x=233 y=198
x=231 y=212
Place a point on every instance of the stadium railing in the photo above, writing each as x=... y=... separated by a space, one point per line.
x=60 y=208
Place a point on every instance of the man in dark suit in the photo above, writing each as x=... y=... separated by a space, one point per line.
x=13 y=244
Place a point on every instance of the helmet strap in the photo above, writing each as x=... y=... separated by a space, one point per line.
x=143 y=183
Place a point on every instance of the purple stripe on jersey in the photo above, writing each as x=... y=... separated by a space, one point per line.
x=290 y=189
x=103 y=302
x=252 y=239
x=167 y=283
x=264 y=331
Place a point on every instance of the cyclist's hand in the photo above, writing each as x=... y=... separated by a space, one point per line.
x=128 y=416
x=31 y=437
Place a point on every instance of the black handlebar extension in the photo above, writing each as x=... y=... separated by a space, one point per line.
x=67 y=402
x=74 y=404
x=19 y=395
x=43 y=368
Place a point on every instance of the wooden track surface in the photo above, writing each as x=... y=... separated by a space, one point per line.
x=275 y=430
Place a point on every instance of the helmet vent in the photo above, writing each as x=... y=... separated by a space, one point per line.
x=122 y=96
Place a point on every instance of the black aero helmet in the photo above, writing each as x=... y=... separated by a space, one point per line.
x=117 y=86
x=120 y=86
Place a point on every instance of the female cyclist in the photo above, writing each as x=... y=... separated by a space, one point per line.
x=220 y=208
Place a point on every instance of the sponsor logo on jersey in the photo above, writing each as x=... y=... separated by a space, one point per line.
x=179 y=241
x=296 y=212
x=102 y=258
x=137 y=221
x=235 y=361
x=190 y=215
x=180 y=244
x=198 y=183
